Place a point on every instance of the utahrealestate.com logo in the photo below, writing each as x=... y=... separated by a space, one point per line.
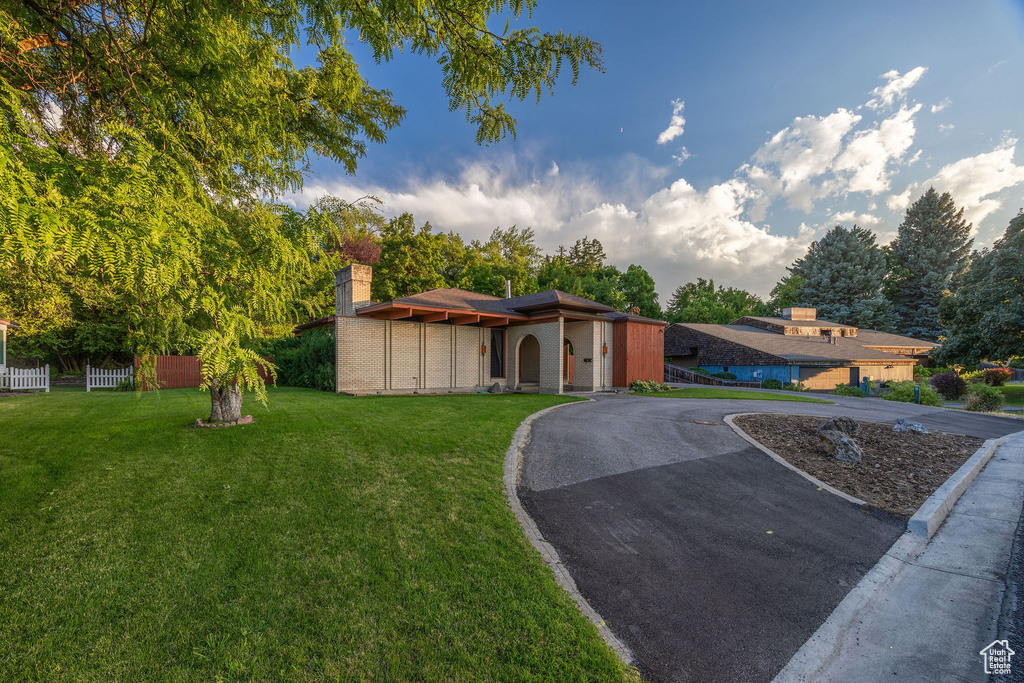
x=997 y=657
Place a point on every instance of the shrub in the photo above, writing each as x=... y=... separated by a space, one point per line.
x=771 y=384
x=985 y=399
x=648 y=386
x=794 y=386
x=904 y=392
x=949 y=384
x=306 y=361
x=723 y=375
x=997 y=377
x=847 y=390
x=971 y=374
x=126 y=384
x=921 y=371
x=1017 y=363
x=701 y=371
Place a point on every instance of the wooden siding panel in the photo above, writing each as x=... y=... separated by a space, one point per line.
x=182 y=372
x=639 y=352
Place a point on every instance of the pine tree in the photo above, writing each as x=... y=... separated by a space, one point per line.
x=931 y=250
x=842 y=277
x=985 y=317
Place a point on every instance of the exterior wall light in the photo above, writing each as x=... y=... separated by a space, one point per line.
x=483 y=350
x=604 y=350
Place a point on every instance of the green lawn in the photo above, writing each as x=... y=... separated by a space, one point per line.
x=1014 y=394
x=334 y=539
x=689 y=392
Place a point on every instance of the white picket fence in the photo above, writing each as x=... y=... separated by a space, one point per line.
x=19 y=379
x=98 y=378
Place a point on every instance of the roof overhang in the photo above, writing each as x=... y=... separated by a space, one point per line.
x=438 y=314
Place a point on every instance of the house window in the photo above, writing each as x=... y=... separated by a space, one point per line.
x=497 y=353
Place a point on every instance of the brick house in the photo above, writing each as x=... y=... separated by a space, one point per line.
x=796 y=347
x=452 y=340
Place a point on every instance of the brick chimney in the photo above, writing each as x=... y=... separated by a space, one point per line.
x=352 y=288
x=800 y=313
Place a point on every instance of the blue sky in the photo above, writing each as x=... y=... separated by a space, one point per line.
x=723 y=137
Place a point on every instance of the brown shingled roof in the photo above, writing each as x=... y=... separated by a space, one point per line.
x=795 y=348
x=876 y=338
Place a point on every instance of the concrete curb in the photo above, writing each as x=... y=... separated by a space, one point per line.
x=929 y=517
x=782 y=461
x=513 y=464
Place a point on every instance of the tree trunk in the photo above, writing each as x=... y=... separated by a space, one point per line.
x=226 y=402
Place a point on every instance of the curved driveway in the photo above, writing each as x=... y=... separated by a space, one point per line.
x=709 y=559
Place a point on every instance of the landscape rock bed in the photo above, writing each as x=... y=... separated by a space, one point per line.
x=898 y=471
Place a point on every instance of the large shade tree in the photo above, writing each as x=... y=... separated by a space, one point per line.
x=140 y=138
x=931 y=251
x=842 y=277
x=985 y=316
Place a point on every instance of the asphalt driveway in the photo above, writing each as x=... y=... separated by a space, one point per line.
x=709 y=559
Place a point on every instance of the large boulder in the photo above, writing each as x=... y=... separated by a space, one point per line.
x=840 y=423
x=839 y=445
x=905 y=425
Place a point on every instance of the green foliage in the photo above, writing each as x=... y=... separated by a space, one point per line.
x=985 y=316
x=771 y=384
x=646 y=386
x=997 y=377
x=842 y=277
x=509 y=254
x=794 y=386
x=723 y=375
x=984 y=398
x=637 y=288
x=1017 y=363
x=922 y=371
x=904 y=393
x=951 y=385
x=306 y=361
x=701 y=371
x=139 y=143
x=701 y=302
x=931 y=252
x=785 y=294
x=411 y=260
x=847 y=390
x=125 y=384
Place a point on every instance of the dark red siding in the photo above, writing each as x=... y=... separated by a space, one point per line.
x=638 y=352
x=180 y=372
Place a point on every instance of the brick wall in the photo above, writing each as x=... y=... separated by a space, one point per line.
x=550 y=336
x=401 y=357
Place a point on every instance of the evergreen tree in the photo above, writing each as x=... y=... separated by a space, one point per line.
x=931 y=250
x=985 y=316
x=842 y=278
x=784 y=293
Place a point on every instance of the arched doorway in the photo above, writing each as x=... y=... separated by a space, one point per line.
x=529 y=360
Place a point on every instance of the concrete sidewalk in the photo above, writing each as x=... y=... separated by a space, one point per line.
x=925 y=610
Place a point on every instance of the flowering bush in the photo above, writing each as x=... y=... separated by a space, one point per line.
x=904 y=392
x=647 y=386
x=949 y=384
x=997 y=377
x=984 y=399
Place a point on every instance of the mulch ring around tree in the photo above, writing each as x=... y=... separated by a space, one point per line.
x=897 y=472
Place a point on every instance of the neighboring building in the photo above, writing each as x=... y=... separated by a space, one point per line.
x=452 y=340
x=4 y=326
x=796 y=348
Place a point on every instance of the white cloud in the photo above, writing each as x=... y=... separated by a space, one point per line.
x=851 y=218
x=683 y=155
x=866 y=159
x=972 y=181
x=945 y=127
x=675 y=126
x=896 y=87
x=554 y=169
x=798 y=154
x=899 y=202
x=936 y=108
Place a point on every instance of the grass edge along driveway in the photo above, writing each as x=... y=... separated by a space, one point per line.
x=693 y=392
x=336 y=538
